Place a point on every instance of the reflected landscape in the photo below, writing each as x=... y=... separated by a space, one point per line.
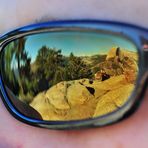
x=69 y=75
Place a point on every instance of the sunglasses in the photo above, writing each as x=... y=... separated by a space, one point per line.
x=73 y=74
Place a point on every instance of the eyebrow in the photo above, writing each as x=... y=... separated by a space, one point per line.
x=45 y=18
x=41 y=19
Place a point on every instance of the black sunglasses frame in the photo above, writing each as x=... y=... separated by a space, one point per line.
x=132 y=32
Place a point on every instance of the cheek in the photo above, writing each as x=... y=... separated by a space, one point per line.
x=128 y=133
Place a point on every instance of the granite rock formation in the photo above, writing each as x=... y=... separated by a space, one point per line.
x=81 y=99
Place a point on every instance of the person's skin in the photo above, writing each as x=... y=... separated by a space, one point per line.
x=130 y=133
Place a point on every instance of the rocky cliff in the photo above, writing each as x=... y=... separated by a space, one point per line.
x=81 y=99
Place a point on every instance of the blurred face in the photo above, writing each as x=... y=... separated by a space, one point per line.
x=17 y=13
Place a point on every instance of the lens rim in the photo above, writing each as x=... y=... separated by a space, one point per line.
x=132 y=32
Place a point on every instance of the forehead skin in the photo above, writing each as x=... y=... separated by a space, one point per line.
x=132 y=132
x=23 y=12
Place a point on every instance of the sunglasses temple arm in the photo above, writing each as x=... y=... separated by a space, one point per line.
x=146 y=59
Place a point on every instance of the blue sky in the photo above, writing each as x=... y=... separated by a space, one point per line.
x=80 y=43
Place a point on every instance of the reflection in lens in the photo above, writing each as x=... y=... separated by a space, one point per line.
x=69 y=75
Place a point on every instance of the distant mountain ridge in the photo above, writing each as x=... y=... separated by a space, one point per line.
x=94 y=59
